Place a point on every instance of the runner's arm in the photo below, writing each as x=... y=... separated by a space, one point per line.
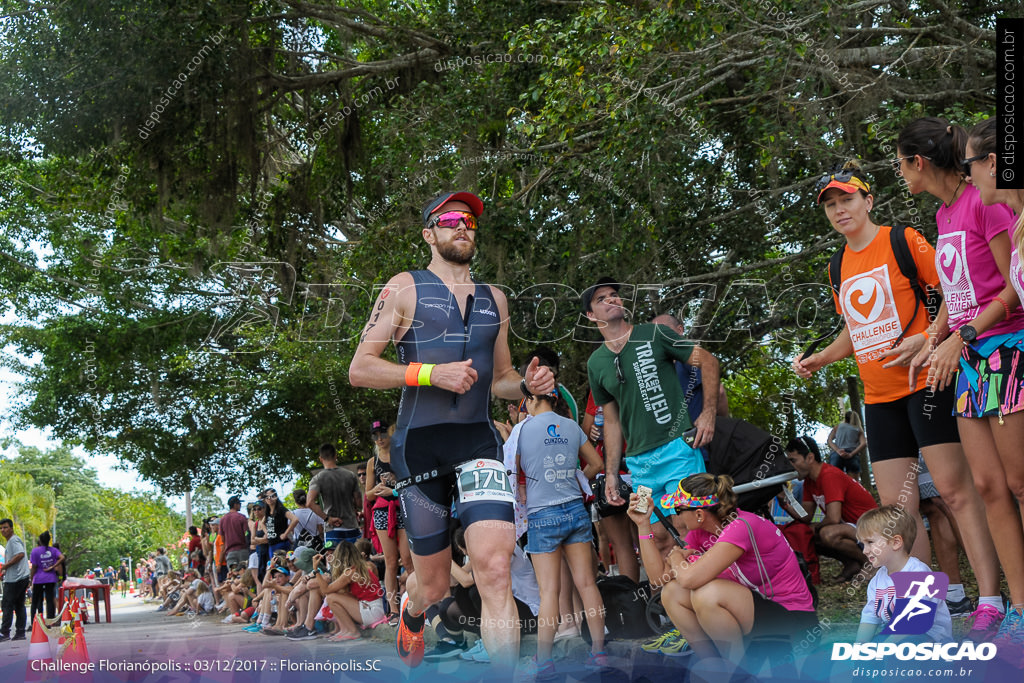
x=387 y=319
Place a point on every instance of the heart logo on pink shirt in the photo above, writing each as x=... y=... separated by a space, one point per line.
x=951 y=266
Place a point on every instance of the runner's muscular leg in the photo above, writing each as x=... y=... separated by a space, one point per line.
x=490 y=544
x=430 y=578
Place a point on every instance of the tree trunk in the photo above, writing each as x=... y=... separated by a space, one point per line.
x=854 y=394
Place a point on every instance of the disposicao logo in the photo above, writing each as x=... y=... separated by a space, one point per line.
x=917 y=598
x=918 y=595
x=947 y=652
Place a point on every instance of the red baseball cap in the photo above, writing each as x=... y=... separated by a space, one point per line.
x=474 y=203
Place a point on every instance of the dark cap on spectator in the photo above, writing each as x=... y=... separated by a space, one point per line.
x=468 y=198
x=233 y=501
x=588 y=293
x=379 y=426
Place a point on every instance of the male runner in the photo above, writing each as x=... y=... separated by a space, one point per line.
x=451 y=335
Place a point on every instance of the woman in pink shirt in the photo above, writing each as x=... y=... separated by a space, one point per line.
x=736 y=572
x=972 y=346
x=982 y=167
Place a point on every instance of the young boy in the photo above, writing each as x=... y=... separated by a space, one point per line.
x=888 y=533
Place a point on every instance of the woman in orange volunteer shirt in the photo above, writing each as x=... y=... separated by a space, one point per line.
x=884 y=334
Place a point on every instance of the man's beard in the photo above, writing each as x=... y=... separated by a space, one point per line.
x=451 y=252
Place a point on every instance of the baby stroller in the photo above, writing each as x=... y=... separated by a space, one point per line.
x=757 y=463
x=754 y=459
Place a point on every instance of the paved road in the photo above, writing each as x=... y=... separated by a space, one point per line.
x=165 y=649
x=149 y=647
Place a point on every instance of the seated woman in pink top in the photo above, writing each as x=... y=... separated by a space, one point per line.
x=736 y=572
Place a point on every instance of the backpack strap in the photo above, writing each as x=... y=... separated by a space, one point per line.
x=835 y=269
x=905 y=261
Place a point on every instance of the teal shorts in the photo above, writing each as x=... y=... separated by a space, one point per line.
x=662 y=468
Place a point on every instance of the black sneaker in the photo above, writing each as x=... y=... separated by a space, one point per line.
x=445 y=649
x=960 y=608
x=3 y=637
x=303 y=633
x=19 y=636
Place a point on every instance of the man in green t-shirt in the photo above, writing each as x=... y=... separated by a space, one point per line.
x=633 y=378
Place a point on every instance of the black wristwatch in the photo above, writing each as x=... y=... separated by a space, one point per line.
x=522 y=388
x=968 y=334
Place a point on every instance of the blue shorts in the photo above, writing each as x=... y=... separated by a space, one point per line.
x=556 y=525
x=662 y=468
x=339 y=535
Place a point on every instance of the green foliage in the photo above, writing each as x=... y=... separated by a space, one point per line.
x=190 y=261
x=26 y=503
x=95 y=525
x=205 y=503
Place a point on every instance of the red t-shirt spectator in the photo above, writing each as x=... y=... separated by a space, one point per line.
x=194 y=543
x=833 y=484
x=234 y=526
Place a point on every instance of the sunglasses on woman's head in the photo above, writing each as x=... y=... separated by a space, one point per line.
x=451 y=219
x=838 y=176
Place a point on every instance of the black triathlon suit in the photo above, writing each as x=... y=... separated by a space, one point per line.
x=437 y=428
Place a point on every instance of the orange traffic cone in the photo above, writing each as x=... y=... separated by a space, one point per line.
x=66 y=627
x=78 y=654
x=38 y=651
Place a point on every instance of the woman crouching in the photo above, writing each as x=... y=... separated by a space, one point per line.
x=736 y=572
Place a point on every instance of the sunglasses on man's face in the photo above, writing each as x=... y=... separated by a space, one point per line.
x=451 y=220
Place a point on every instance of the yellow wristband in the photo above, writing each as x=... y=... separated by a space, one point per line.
x=424 y=375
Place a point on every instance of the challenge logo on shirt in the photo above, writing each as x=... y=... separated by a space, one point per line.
x=870 y=312
x=954 y=272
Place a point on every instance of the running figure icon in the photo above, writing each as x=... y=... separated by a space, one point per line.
x=916 y=606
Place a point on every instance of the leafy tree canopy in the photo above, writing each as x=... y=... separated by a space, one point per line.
x=95 y=525
x=196 y=202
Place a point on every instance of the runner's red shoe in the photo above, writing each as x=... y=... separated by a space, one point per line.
x=410 y=643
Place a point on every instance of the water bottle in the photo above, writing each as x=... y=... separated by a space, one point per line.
x=599 y=423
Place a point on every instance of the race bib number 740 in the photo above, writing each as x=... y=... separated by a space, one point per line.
x=484 y=479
